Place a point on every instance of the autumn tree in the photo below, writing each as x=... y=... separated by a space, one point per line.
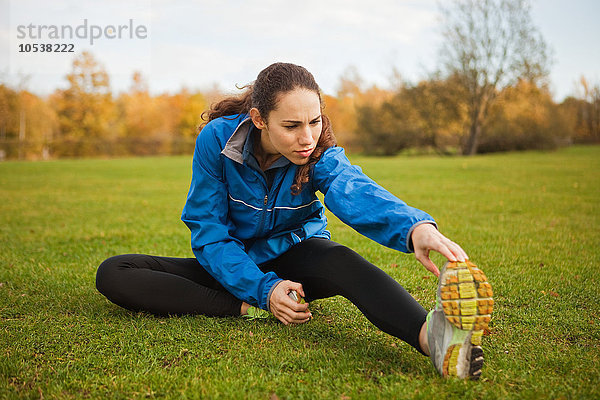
x=343 y=109
x=342 y=113
x=194 y=104
x=138 y=114
x=27 y=125
x=427 y=115
x=437 y=112
x=386 y=125
x=40 y=125
x=86 y=109
x=384 y=129
x=490 y=45
x=523 y=117
x=9 y=109
x=584 y=110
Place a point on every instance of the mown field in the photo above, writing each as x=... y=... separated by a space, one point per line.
x=530 y=220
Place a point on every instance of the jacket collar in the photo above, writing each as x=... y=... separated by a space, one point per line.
x=234 y=148
x=239 y=146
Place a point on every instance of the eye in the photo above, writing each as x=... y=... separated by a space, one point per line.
x=290 y=127
x=315 y=122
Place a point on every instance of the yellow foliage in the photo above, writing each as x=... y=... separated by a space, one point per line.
x=524 y=116
x=140 y=113
x=28 y=123
x=83 y=119
x=583 y=112
x=86 y=109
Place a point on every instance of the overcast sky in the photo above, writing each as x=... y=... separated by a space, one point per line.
x=199 y=43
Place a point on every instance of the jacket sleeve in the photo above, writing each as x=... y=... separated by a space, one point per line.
x=206 y=215
x=364 y=205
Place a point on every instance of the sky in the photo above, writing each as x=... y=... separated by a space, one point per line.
x=199 y=44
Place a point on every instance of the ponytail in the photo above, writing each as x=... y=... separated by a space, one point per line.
x=229 y=106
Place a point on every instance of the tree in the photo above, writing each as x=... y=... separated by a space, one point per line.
x=524 y=117
x=27 y=124
x=138 y=112
x=9 y=110
x=438 y=111
x=193 y=106
x=40 y=124
x=386 y=123
x=589 y=113
x=583 y=111
x=86 y=108
x=490 y=45
x=341 y=109
x=385 y=129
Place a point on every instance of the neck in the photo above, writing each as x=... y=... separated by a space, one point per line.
x=265 y=160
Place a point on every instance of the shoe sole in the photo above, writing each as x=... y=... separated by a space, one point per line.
x=466 y=299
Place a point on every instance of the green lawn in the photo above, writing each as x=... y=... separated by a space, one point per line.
x=530 y=220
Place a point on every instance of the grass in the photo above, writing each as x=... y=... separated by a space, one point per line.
x=530 y=220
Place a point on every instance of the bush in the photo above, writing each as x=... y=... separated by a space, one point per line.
x=523 y=118
x=382 y=131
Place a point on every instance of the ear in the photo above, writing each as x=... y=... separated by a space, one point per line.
x=257 y=119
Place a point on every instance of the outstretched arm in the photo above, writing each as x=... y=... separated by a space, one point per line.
x=361 y=203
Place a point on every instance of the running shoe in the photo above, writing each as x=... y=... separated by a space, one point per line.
x=455 y=327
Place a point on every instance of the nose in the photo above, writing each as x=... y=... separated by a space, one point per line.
x=305 y=136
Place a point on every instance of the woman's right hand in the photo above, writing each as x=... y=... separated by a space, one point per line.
x=284 y=308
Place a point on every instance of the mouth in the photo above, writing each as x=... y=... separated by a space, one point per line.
x=305 y=153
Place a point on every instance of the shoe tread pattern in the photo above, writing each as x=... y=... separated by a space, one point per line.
x=467 y=298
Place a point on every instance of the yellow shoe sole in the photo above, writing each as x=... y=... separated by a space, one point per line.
x=467 y=298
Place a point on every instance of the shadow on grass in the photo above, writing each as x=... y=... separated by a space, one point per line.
x=321 y=344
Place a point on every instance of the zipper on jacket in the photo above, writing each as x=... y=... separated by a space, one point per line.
x=275 y=187
x=263 y=215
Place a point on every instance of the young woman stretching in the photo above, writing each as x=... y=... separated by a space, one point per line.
x=258 y=232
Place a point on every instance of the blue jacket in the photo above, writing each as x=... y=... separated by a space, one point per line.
x=238 y=221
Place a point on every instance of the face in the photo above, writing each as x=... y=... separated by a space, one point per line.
x=293 y=128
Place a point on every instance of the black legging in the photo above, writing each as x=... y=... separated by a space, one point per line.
x=163 y=285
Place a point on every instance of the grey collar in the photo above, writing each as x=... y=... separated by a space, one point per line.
x=239 y=148
x=234 y=148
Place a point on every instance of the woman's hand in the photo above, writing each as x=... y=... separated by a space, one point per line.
x=426 y=237
x=284 y=308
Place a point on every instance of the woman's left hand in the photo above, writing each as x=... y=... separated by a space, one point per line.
x=426 y=237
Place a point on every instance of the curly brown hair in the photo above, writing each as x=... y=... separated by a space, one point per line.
x=263 y=94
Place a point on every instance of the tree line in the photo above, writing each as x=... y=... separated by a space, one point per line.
x=490 y=93
x=87 y=119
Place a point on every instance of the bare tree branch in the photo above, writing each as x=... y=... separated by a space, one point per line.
x=490 y=45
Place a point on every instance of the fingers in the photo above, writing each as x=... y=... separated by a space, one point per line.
x=458 y=252
x=451 y=250
x=448 y=249
x=423 y=258
x=286 y=309
x=290 y=315
x=295 y=313
x=297 y=287
x=425 y=238
x=296 y=318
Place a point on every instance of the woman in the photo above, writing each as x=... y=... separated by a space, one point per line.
x=259 y=235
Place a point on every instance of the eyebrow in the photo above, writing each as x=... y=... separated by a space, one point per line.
x=298 y=122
